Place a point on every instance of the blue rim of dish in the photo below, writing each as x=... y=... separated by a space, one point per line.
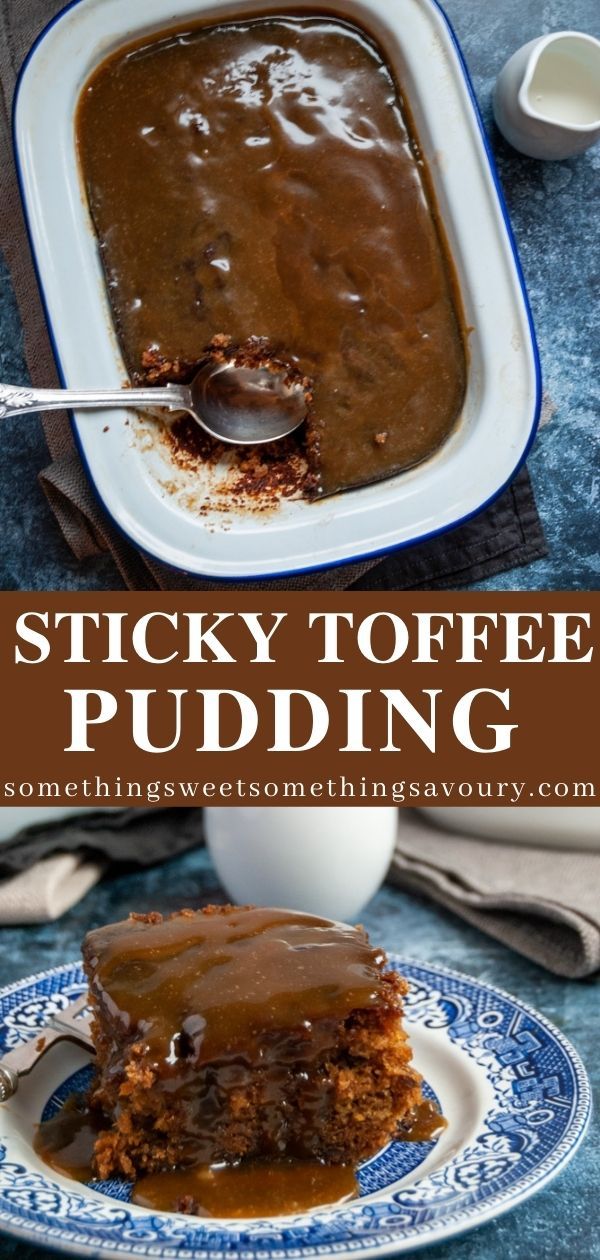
x=443 y=1006
x=378 y=553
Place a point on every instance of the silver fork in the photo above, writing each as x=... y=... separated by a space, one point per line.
x=70 y=1025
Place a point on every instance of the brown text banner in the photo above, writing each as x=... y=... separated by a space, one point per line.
x=412 y=699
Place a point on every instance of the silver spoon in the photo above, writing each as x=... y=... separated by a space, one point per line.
x=245 y=406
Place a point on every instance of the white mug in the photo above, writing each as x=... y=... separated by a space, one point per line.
x=325 y=860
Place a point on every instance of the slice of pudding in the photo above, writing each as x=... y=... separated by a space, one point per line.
x=233 y=1033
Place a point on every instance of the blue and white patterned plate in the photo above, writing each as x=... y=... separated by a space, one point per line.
x=513 y=1090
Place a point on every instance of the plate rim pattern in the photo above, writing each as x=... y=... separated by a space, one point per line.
x=377 y=1236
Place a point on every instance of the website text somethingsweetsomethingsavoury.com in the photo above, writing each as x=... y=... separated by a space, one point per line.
x=339 y=788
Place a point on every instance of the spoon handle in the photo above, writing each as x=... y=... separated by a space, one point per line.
x=16 y=401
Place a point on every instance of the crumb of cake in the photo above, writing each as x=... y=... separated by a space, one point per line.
x=156 y=369
x=187 y=1204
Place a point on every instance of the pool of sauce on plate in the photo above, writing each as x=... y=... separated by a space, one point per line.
x=66 y=1141
x=425 y=1123
x=247 y=1190
x=257 y=1188
x=260 y=179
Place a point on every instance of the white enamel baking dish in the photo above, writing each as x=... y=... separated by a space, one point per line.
x=169 y=514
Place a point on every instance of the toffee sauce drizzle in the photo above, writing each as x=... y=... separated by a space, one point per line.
x=259 y=179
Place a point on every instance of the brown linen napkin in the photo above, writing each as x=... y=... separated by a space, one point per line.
x=509 y=533
x=543 y=903
x=46 y=869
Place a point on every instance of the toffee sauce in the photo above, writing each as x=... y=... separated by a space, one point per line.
x=260 y=179
x=66 y=1141
x=248 y=970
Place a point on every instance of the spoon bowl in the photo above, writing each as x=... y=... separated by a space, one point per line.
x=246 y=405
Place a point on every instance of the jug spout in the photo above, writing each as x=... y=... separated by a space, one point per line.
x=547 y=97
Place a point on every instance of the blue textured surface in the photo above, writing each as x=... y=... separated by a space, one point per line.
x=563 y=1221
x=551 y=206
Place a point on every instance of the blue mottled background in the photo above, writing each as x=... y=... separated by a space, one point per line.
x=553 y=213
x=563 y=1221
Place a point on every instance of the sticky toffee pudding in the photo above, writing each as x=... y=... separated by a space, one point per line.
x=247 y=1060
x=260 y=182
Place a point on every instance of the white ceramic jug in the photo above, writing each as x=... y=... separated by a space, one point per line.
x=547 y=97
x=325 y=860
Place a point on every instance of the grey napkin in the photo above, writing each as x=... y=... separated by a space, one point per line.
x=46 y=869
x=128 y=837
x=543 y=903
